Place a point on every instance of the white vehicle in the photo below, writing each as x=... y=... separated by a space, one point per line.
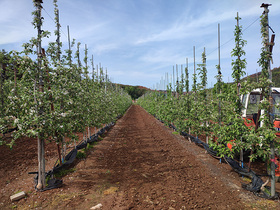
x=250 y=103
x=251 y=112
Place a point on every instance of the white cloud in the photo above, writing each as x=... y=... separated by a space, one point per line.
x=13 y=16
x=103 y=48
x=141 y=40
x=160 y=56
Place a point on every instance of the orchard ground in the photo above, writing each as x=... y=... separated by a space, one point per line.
x=140 y=164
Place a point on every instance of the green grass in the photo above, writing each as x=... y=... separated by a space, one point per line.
x=90 y=146
x=64 y=172
x=81 y=155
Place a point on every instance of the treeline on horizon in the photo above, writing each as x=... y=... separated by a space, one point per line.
x=134 y=91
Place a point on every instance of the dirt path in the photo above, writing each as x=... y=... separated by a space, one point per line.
x=153 y=171
x=140 y=164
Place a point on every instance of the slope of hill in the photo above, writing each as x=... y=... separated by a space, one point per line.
x=134 y=91
x=275 y=77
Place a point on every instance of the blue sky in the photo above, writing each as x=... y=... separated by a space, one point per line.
x=139 y=41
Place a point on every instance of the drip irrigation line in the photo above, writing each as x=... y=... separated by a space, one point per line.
x=256 y=184
x=69 y=159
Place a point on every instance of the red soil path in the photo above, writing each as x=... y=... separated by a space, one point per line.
x=140 y=164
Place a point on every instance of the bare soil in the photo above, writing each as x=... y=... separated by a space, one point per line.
x=140 y=164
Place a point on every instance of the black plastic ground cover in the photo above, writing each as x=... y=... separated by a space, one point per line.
x=69 y=159
x=173 y=127
x=256 y=181
x=197 y=141
x=53 y=183
x=9 y=130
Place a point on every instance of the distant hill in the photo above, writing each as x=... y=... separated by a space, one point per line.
x=137 y=91
x=134 y=91
x=275 y=77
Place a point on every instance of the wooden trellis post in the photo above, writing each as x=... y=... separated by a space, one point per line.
x=269 y=46
x=40 y=140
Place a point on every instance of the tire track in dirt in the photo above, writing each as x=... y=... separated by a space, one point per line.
x=140 y=165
